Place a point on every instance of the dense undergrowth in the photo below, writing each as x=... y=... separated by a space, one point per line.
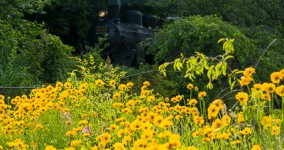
x=93 y=110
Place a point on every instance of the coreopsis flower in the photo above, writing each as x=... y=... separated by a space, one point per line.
x=106 y=138
x=146 y=83
x=235 y=142
x=226 y=119
x=248 y=72
x=242 y=97
x=266 y=96
x=217 y=124
x=192 y=102
x=191 y=148
x=100 y=82
x=118 y=146
x=113 y=127
x=280 y=90
x=75 y=143
x=275 y=130
x=189 y=86
x=198 y=120
x=151 y=116
x=83 y=122
x=256 y=147
x=140 y=144
x=202 y=94
x=158 y=120
x=269 y=87
x=213 y=111
x=246 y=131
x=129 y=84
x=126 y=139
x=67 y=85
x=245 y=80
x=112 y=83
x=117 y=105
x=174 y=144
x=121 y=133
x=241 y=118
x=151 y=98
x=116 y=95
x=266 y=121
x=58 y=84
x=50 y=148
x=276 y=77
x=2 y=97
x=83 y=86
x=179 y=98
x=218 y=103
x=122 y=87
x=126 y=110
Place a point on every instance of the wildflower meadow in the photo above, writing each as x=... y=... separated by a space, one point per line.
x=95 y=110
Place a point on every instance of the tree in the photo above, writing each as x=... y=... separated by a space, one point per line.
x=29 y=55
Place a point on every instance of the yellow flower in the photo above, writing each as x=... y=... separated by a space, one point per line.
x=235 y=142
x=129 y=84
x=241 y=118
x=126 y=139
x=116 y=95
x=189 y=86
x=67 y=85
x=269 y=87
x=151 y=98
x=218 y=103
x=140 y=144
x=75 y=143
x=202 y=94
x=122 y=87
x=83 y=122
x=121 y=133
x=242 y=97
x=226 y=119
x=275 y=77
x=217 y=124
x=280 y=90
x=146 y=83
x=212 y=111
x=50 y=148
x=266 y=96
x=83 y=86
x=192 y=102
x=118 y=146
x=245 y=80
x=113 y=127
x=198 y=120
x=2 y=97
x=158 y=120
x=112 y=83
x=266 y=121
x=99 y=82
x=246 y=131
x=106 y=138
x=59 y=84
x=178 y=98
x=256 y=147
x=275 y=130
x=248 y=71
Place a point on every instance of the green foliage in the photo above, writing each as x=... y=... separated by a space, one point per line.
x=199 y=64
x=199 y=34
x=28 y=54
